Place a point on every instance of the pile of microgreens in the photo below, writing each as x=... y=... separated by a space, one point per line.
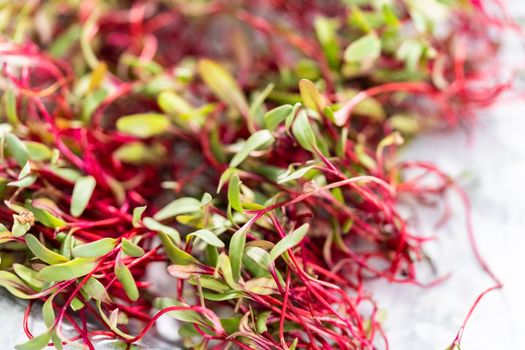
x=249 y=145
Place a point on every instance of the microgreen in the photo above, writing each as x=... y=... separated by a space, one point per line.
x=115 y=130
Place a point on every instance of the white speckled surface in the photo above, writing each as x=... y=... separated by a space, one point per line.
x=430 y=318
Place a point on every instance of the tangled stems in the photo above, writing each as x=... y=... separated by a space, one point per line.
x=119 y=122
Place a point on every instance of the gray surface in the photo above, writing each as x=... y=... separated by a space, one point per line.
x=495 y=161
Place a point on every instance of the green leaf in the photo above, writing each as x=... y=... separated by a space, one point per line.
x=311 y=97
x=138 y=153
x=131 y=249
x=294 y=344
x=43 y=216
x=289 y=241
x=234 y=193
x=262 y=320
x=17 y=149
x=181 y=315
x=226 y=176
x=303 y=132
x=185 y=271
x=236 y=251
x=82 y=194
x=67 y=174
x=36 y=343
x=210 y=282
x=137 y=215
x=48 y=314
x=179 y=206
x=256 y=108
x=206 y=236
x=29 y=276
x=10 y=107
x=20 y=228
x=25 y=182
x=91 y=102
x=206 y=199
x=109 y=321
x=153 y=225
x=261 y=286
x=225 y=265
x=176 y=255
x=26 y=170
x=287 y=176
x=43 y=253
x=67 y=271
x=128 y=282
x=259 y=140
x=38 y=151
x=229 y=295
x=96 y=290
x=259 y=256
x=94 y=249
x=367 y=161
x=173 y=104
x=15 y=285
x=222 y=84
x=326 y=31
x=276 y=116
x=143 y=125
x=67 y=245
x=364 y=50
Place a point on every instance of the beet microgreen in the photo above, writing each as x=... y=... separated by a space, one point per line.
x=115 y=130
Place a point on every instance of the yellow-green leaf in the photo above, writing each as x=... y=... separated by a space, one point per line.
x=67 y=271
x=277 y=115
x=35 y=343
x=364 y=50
x=234 y=193
x=143 y=125
x=176 y=255
x=259 y=140
x=17 y=148
x=82 y=194
x=206 y=236
x=131 y=249
x=289 y=241
x=311 y=97
x=222 y=84
x=94 y=249
x=179 y=206
x=128 y=282
x=42 y=252
x=303 y=132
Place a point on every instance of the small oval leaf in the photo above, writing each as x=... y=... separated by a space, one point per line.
x=67 y=271
x=82 y=194
x=17 y=149
x=206 y=236
x=125 y=277
x=259 y=140
x=179 y=206
x=43 y=253
x=234 y=193
x=143 y=125
x=303 y=132
x=289 y=241
x=277 y=115
x=94 y=249
x=222 y=84
x=131 y=249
